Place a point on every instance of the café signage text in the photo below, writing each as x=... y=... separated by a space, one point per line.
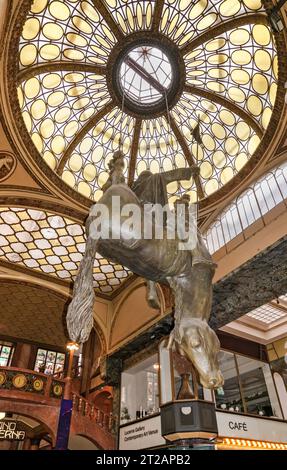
x=10 y=432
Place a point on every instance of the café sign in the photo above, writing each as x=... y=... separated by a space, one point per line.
x=9 y=431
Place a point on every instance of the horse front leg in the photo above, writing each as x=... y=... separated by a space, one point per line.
x=152 y=295
x=80 y=311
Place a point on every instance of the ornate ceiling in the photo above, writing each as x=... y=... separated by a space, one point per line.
x=32 y=313
x=93 y=77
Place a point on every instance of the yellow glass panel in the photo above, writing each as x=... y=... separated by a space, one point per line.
x=206 y=21
x=217 y=73
x=219 y=159
x=27 y=120
x=98 y=194
x=82 y=25
x=273 y=93
x=86 y=145
x=59 y=10
x=38 y=109
x=172 y=187
x=193 y=54
x=253 y=4
x=239 y=37
x=206 y=170
x=236 y=94
x=50 y=160
x=49 y=52
x=53 y=31
x=241 y=77
x=254 y=105
x=86 y=114
x=130 y=17
x=266 y=116
x=231 y=146
x=260 y=83
x=261 y=34
x=90 y=12
x=77 y=40
x=262 y=60
x=76 y=91
x=28 y=55
x=71 y=128
x=74 y=54
x=227 y=117
x=38 y=6
x=141 y=167
x=52 y=80
x=69 y=178
x=32 y=88
x=102 y=179
x=218 y=131
x=31 y=28
x=253 y=144
x=108 y=33
x=229 y=7
x=154 y=166
x=121 y=21
x=148 y=15
x=58 y=145
x=167 y=164
x=84 y=189
x=226 y=175
x=75 y=162
x=240 y=161
x=99 y=128
x=216 y=86
x=37 y=142
x=20 y=97
x=241 y=57
x=112 y=3
x=215 y=44
x=56 y=98
x=180 y=160
x=211 y=186
x=47 y=128
x=74 y=77
x=198 y=9
x=81 y=103
x=217 y=59
x=89 y=172
x=242 y=130
x=62 y=115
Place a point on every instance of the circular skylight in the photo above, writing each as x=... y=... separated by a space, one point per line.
x=145 y=75
x=93 y=74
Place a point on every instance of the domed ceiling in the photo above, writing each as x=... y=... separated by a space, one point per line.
x=98 y=75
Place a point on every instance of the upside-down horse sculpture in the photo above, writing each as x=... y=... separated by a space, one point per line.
x=189 y=273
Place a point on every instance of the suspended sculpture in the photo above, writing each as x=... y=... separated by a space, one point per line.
x=188 y=272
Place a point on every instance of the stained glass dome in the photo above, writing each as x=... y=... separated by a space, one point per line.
x=96 y=75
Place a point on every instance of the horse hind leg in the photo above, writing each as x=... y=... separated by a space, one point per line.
x=80 y=311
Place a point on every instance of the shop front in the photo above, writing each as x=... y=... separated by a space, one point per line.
x=162 y=405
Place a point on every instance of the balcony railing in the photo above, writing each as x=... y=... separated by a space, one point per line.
x=106 y=421
x=27 y=381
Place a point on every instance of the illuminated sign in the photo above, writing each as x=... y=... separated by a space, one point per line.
x=9 y=431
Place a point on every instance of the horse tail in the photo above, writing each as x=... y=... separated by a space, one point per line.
x=80 y=316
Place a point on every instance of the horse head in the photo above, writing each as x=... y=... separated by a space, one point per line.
x=196 y=341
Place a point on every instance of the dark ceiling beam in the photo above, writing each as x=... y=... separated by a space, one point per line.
x=106 y=14
x=188 y=155
x=80 y=135
x=60 y=66
x=215 y=98
x=157 y=15
x=134 y=151
x=255 y=283
x=142 y=72
x=256 y=18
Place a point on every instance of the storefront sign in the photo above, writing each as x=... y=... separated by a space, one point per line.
x=9 y=430
x=247 y=427
x=142 y=434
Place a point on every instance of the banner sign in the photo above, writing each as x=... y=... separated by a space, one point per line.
x=64 y=425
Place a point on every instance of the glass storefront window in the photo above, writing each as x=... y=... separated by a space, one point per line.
x=228 y=397
x=6 y=353
x=49 y=362
x=248 y=386
x=139 y=390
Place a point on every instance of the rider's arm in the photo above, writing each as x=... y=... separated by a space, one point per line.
x=178 y=174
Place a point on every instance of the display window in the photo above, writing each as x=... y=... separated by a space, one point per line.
x=49 y=362
x=248 y=386
x=6 y=353
x=140 y=390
